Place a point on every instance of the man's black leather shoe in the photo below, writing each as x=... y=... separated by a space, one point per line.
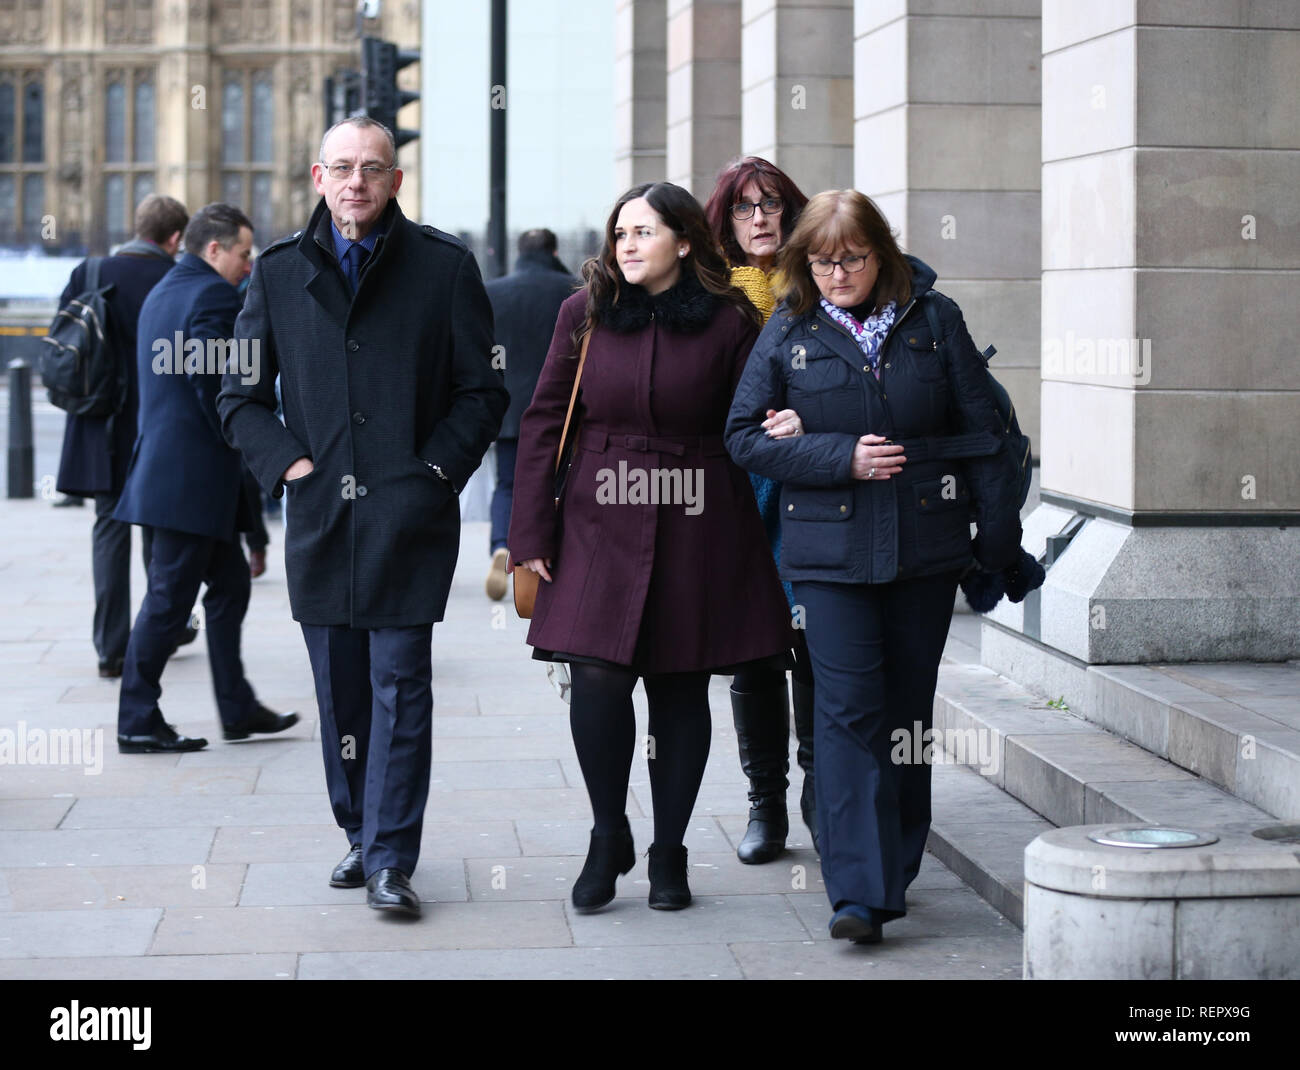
x=349 y=873
x=390 y=890
x=111 y=669
x=164 y=741
x=264 y=721
x=187 y=636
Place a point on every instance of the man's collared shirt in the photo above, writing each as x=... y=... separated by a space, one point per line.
x=341 y=247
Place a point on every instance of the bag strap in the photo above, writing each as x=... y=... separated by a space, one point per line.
x=573 y=397
x=92 y=273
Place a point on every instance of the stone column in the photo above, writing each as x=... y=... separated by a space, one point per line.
x=188 y=105
x=946 y=141
x=797 y=89
x=703 y=54
x=641 y=91
x=1171 y=391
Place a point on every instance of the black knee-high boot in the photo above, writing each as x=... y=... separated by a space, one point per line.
x=762 y=720
x=802 y=701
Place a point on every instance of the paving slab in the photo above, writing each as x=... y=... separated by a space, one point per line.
x=710 y=918
x=677 y=962
x=153 y=968
x=124 y=887
x=351 y=927
x=62 y=933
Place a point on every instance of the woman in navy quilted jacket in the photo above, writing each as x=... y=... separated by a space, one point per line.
x=879 y=484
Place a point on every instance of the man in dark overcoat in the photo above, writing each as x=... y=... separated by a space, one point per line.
x=381 y=333
x=525 y=304
x=184 y=483
x=97 y=449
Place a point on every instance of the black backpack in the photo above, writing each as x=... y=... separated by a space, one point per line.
x=78 y=367
x=1015 y=442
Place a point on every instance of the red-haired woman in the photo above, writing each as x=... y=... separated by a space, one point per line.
x=752 y=212
x=671 y=586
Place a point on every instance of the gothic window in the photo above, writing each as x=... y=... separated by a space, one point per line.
x=248 y=145
x=130 y=135
x=22 y=155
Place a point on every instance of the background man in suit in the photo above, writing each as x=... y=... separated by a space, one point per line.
x=184 y=482
x=381 y=334
x=525 y=305
x=97 y=449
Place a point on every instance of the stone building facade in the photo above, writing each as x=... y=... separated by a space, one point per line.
x=104 y=101
x=1108 y=191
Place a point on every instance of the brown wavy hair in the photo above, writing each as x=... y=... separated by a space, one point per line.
x=727 y=191
x=835 y=219
x=682 y=215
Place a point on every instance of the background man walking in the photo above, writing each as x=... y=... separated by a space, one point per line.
x=525 y=305
x=381 y=334
x=97 y=449
x=184 y=482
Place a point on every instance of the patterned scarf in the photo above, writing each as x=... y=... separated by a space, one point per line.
x=869 y=333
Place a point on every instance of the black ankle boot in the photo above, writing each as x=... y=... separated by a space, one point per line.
x=607 y=857
x=802 y=695
x=668 y=887
x=762 y=720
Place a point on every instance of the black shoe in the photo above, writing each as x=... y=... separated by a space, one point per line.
x=607 y=857
x=187 y=636
x=69 y=500
x=111 y=669
x=802 y=700
x=668 y=887
x=263 y=721
x=349 y=873
x=164 y=741
x=854 y=923
x=391 y=890
x=762 y=720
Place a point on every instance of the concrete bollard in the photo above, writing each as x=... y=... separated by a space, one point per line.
x=22 y=450
x=1171 y=904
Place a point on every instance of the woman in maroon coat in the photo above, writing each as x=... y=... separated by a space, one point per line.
x=656 y=566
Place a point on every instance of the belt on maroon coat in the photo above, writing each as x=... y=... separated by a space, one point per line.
x=593 y=438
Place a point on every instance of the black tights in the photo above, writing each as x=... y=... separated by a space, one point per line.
x=604 y=735
x=760 y=676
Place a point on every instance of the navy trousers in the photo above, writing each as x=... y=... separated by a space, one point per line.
x=375 y=694
x=875 y=652
x=110 y=560
x=178 y=564
x=503 y=495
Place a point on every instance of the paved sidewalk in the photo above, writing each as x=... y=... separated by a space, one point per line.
x=214 y=864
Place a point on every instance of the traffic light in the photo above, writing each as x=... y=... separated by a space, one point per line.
x=342 y=96
x=380 y=62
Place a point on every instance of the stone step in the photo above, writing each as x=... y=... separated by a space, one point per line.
x=1235 y=724
x=1009 y=766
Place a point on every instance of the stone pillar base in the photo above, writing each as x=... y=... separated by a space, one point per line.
x=1121 y=594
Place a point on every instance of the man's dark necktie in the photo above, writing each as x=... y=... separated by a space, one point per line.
x=352 y=264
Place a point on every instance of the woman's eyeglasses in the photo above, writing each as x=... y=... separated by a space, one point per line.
x=768 y=206
x=369 y=173
x=824 y=266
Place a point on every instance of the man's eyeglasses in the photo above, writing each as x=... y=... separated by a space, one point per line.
x=369 y=173
x=768 y=206
x=824 y=266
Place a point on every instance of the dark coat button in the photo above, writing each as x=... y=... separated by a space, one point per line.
x=357 y=418
x=353 y=345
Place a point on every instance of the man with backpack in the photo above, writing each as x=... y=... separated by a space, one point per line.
x=184 y=482
x=97 y=448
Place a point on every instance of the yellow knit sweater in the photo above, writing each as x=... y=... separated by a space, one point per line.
x=757 y=285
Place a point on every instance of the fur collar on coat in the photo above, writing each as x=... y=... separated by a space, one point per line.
x=686 y=307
